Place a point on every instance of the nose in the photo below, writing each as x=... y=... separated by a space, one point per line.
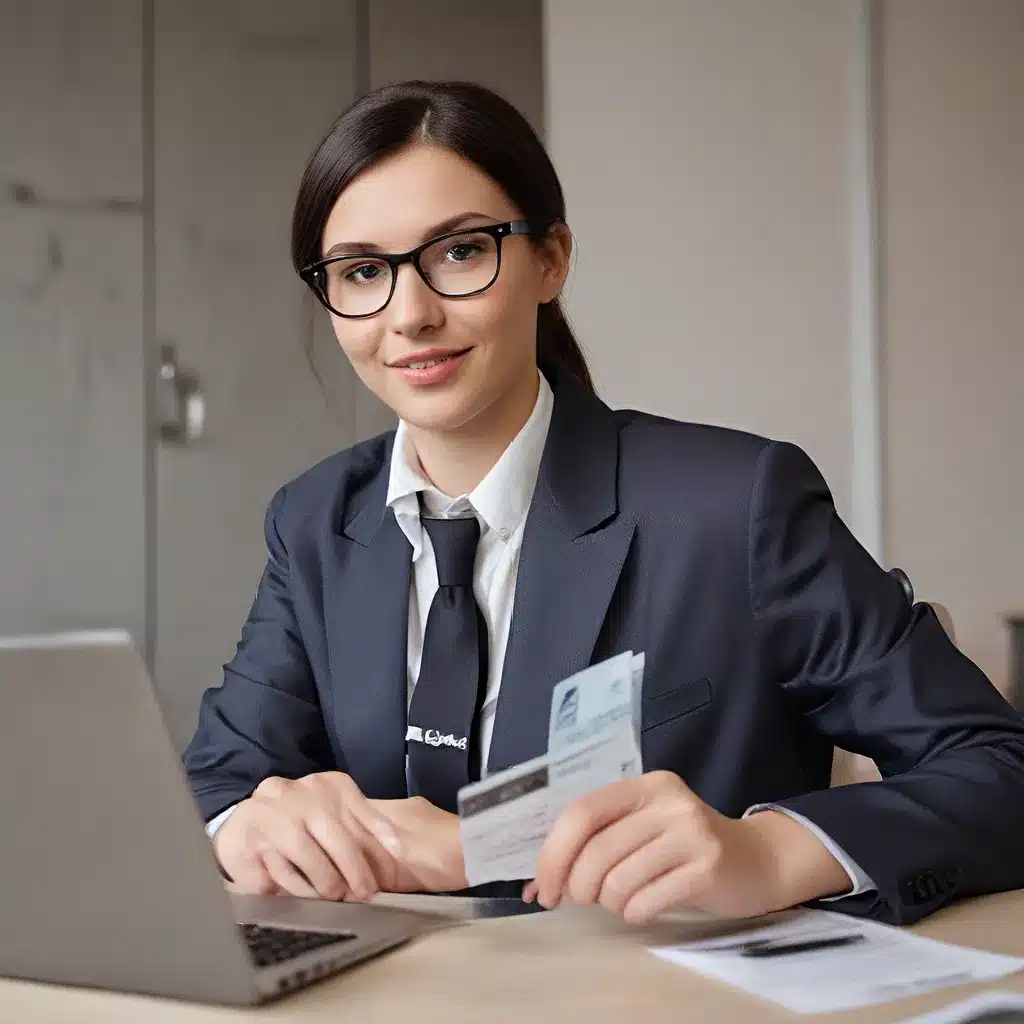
x=414 y=308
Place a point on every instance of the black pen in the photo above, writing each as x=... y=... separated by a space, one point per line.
x=770 y=949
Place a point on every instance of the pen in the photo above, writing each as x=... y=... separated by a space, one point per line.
x=766 y=950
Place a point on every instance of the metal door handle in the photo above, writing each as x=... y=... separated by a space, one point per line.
x=182 y=402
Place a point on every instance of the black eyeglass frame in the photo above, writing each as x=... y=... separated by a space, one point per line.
x=315 y=274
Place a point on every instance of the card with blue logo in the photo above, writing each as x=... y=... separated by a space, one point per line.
x=593 y=740
x=594 y=701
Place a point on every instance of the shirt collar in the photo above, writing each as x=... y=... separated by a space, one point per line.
x=500 y=501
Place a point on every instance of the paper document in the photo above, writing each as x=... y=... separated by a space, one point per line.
x=593 y=740
x=986 y=1008
x=818 y=961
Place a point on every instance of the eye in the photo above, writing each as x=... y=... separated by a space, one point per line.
x=364 y=273
x=462 y=252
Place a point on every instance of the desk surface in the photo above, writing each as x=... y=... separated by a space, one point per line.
x=569 y=965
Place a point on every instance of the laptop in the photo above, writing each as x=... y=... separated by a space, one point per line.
x=107 y=877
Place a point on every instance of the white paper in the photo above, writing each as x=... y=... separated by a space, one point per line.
x=503 y=821
x=885 y=963
x=505 y=818
x=986 y=1008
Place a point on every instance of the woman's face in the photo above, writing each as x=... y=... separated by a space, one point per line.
x=415 y=195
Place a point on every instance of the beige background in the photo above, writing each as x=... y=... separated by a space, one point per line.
x=708 y=153
x=953 y=202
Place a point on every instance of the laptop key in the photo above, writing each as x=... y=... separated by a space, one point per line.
x=276 y=945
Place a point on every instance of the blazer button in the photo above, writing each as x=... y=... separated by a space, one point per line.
x=918 y=890
x=951 y=875
x=910 y=893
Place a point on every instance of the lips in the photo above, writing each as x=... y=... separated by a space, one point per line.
x=425 y=360
x=432 y=367
x=429 y=363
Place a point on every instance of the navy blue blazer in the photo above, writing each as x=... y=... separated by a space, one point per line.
x=770 y=635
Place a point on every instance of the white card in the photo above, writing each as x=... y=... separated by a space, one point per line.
x=593 y=741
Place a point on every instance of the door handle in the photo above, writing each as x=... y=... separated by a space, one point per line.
x=181 y=401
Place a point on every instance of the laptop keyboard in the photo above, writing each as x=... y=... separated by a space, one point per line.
x=276 y=945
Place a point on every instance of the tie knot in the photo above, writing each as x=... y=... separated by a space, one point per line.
x=454 y=542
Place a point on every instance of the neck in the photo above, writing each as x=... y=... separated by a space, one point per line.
x=456 y=461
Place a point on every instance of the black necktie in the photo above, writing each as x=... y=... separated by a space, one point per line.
x=445 y=707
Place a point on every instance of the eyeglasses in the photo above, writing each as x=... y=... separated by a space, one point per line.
x=454 y=265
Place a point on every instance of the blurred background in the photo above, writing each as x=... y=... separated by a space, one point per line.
x=800 y=217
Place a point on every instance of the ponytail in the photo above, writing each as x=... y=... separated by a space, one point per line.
x=557 y=347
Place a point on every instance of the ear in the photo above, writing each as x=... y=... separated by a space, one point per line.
x=555 y=253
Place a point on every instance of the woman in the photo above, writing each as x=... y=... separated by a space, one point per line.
x=440 y=580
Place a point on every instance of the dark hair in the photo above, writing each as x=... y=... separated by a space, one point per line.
x=473 y=122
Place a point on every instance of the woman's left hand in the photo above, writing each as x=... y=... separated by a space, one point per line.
x=647 y=845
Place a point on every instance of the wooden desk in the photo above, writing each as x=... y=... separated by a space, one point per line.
x=572 y=965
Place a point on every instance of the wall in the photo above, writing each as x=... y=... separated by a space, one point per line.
x=708 y=154
x=702 y=149
x=72 y=440
x=496 y=44
x=242 y=92
x=149 y=155
x=952 y=190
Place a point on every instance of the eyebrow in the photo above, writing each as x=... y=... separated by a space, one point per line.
x=441 y=228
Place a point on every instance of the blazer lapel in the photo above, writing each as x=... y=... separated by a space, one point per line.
x=574 y=546
x=366 y=607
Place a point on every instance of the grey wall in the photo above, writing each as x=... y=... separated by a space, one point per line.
x=496 y=44
x=243 y=91
x=72 y=442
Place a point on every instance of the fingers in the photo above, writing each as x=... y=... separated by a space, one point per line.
x=574 y=828
x=325 y=875
x=303 y=837
x=286 y=875
x=249 y=875
x=347 y=859
x=643 y=867
x=675 y=888
x=607 y=852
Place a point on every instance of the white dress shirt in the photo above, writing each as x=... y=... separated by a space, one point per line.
x=500 y=503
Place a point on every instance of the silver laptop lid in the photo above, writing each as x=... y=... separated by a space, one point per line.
x=106 y=875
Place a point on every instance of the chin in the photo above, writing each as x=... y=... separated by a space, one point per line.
x=441 y=412
x=440 y=421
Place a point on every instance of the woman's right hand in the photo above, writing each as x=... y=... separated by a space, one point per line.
x=316 y=837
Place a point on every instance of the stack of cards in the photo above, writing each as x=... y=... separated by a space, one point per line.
x=593 y=740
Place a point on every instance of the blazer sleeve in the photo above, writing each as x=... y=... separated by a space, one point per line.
x=265 y=719
x=881 y=678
